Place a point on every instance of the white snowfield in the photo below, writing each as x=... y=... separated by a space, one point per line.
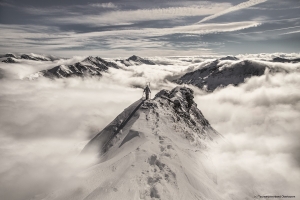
x=155 y=149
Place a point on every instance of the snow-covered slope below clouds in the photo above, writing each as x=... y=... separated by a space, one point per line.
x=91 y=66
x=155 y=149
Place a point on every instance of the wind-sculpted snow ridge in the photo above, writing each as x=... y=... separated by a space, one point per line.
x=155 y=149
x=136 y=60
x=221 y=73
x=91 y=66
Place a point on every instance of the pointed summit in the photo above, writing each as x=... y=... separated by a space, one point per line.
x=136 y=60
x=154 y=150
x=176 y=108
x=229 y=58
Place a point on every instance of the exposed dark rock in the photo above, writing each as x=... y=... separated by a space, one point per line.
x=10 y=55
x=28 y=57
x=229 y=58
x=284 y=60
x=9 y=60
x=136 y=60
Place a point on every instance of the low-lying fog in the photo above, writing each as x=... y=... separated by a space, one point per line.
x=45 y=123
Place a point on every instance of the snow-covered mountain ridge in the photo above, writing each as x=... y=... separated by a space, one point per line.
x=207 y=73
x=221 y=73
x=155 y=149
x=91 y=66
x=177 y=104
x=135 y=60
x=10 y=57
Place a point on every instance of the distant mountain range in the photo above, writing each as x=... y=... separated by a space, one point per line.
x=91 y=66
x=209 y=75
x=12 y=58
x=284 y=60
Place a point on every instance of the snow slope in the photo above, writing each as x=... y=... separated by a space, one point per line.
x=155 y=149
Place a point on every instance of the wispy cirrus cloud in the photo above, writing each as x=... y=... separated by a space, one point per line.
x=129 y=16
x=104 y=5
x=71 y=10
x=292 y=32
x=169 y=26
x=233 y=9
x=114 y=42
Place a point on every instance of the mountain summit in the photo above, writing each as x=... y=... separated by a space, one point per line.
x=155 y=149
x=136 y=60
x=174 y=110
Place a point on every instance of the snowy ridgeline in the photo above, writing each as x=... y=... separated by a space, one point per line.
x=91 y=66
x=206 y=73
x=155 y=149
x=13 y=58
x=220 y=73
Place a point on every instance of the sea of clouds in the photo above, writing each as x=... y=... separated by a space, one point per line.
x=45 y=124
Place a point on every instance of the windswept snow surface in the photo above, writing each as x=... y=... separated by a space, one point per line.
x=155 y=149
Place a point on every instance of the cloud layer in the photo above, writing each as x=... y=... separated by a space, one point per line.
x=260 y=122
x=45 y=124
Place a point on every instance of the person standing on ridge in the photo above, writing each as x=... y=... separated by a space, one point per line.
x=147 y=91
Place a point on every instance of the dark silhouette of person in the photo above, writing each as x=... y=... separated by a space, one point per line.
x=147 y=91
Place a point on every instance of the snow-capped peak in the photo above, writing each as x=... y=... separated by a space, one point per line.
x=154 y=150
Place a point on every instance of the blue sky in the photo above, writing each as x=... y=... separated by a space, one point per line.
x=149 y=28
